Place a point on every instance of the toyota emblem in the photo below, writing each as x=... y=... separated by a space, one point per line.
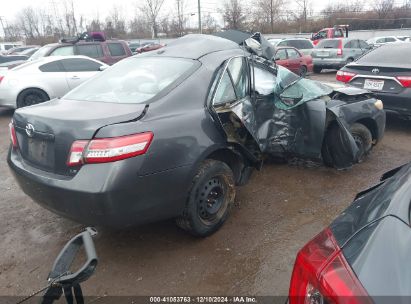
x=29 y=130
x=375 y=71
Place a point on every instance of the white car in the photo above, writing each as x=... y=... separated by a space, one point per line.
x=44 y=79
x=377 y=41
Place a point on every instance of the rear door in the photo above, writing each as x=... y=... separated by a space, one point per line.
x=281 y=58
x=294 y=60
x=54 y=76
x=231 y=101
x=92 y=50
x=79 y=70
x=117 y=51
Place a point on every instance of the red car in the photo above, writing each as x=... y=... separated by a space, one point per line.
x=293 y=60
x=149 y=47
x=338 y=31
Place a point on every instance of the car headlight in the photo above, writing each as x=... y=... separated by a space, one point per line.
x=379 y=105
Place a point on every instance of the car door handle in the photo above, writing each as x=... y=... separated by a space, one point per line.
x=75 y=77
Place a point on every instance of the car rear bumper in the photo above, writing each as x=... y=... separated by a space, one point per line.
x=329 y=62
x=398 y=103
x=7 y=99
x=101 y=195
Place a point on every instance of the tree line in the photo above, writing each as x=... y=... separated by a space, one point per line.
x=44 y=25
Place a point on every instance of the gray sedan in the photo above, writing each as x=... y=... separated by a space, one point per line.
x=336 y=53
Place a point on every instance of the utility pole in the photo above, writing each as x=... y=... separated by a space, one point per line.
x=4 y=29
x=200 y=28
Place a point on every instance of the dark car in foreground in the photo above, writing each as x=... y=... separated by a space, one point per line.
x=386 y=71
x=167 y=134
x=362 y=257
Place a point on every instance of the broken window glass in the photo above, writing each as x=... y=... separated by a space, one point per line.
x=225 y=91
x=289 y=84
x=238 y=69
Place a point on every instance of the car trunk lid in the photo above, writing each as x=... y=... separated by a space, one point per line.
x=46 y=131
x=378 y=77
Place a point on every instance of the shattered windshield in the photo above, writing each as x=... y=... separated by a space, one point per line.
x=291 y=86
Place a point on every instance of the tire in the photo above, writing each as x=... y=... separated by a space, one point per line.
x=303 y=71
x=363 y=138
x=31 y=97
x=317 y=69
x=213 y=183
x=332 y=145
x=349 y=60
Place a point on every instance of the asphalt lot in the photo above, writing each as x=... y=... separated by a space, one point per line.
x=281 y=208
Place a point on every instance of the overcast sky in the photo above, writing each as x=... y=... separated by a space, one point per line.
x=101 y=8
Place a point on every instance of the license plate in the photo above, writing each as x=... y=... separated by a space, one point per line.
x=374 y=85
x=323 y=54
x=37 y=150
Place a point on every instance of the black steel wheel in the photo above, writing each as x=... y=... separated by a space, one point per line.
x=303 y=71
x=209 y=200
x=317 y=69
x=363 y=139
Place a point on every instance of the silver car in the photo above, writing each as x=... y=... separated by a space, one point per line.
x=377 y=41
x=44 y=79
x=336 y=53
x=305 y=46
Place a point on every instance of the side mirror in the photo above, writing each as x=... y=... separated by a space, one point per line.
x=290 y=100
x=103 y=68
x=61 y=272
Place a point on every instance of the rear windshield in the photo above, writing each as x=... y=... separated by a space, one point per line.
x=329 y=44
x=134 y=80
x=398 y=53
x=41 y=52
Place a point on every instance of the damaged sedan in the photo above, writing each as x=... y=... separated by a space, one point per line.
x=141 y=143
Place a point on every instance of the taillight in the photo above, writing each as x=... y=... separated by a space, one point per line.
x=340 y=48
x=344 y=76
x=1 y=78
x=13 y=135
x=321 y=273
x=405 y=81
x=104 y=150
x=76 y=153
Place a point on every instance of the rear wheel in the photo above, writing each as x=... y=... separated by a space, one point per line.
x=303 y=71
x=31 y=97
x=349 y=60
x=317 y=69
x=209 y=200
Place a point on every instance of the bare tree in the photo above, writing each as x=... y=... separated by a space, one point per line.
x=304 y=6
x=151 y=8
x=209 y=24
x=383 y=8
x=234 y=14
x=181 y=19
x=266 y=15
x=115 y=23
